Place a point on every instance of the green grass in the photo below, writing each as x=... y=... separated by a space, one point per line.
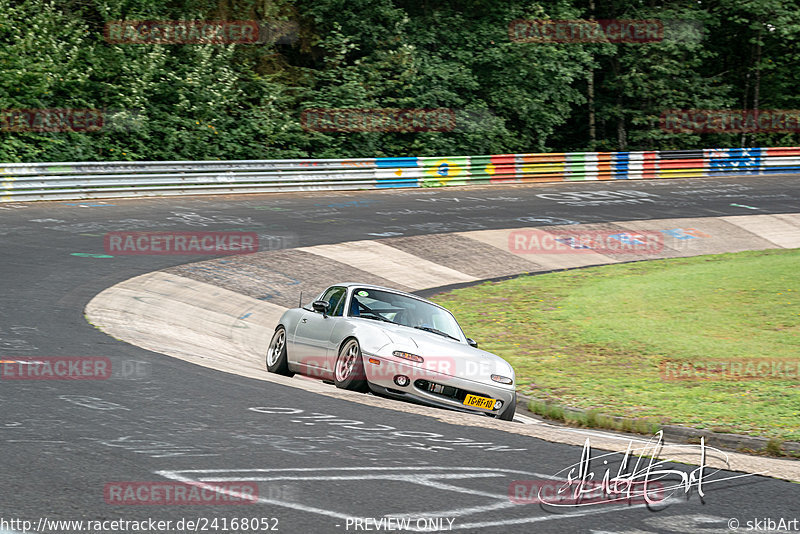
x=594 y=338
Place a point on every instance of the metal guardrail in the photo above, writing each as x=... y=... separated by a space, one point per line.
x=83 y=180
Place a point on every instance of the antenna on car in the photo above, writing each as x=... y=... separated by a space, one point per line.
x=301 y=300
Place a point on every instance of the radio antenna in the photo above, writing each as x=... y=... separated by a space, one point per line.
x=301 y=300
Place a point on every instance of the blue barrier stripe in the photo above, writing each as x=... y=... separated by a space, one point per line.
x=397 y=162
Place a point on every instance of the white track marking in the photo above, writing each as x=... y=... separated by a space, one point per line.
x=427 y=477
x=525 y=420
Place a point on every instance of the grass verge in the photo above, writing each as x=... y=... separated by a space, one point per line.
x=601 y=338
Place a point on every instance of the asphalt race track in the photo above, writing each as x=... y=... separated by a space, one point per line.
x=320 y=464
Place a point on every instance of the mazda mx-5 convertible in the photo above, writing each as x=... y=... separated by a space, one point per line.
x=370 y=338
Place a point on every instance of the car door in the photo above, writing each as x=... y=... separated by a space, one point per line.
x=313 y=334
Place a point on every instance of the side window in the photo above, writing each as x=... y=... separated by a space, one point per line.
x=335 y=298
x=338 y=311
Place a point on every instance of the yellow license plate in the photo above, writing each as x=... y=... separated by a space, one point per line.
x=479 y=402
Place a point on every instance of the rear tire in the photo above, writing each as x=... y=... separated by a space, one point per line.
x=349 y=370
x=508 y=413
x=277 y=360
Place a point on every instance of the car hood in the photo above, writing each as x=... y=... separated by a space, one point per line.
x=444 y=355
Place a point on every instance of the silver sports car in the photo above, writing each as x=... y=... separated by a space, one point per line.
x=370 y=338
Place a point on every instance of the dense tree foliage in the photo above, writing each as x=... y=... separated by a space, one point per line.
x=245 y=101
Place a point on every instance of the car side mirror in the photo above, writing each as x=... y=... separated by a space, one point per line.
x=472 y=343
x=321 y=306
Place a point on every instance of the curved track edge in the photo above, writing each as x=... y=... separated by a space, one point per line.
x=180 y=314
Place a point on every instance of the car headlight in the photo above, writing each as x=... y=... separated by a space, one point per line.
x=408 y=356
x=502 y=379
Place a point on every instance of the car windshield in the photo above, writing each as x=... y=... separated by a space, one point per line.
x=406 y=311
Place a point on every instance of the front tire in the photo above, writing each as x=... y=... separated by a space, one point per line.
x=508 y=413
x=349 y=370
x=277 y=360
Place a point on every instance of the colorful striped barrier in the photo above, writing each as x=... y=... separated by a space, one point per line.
x=62 y=181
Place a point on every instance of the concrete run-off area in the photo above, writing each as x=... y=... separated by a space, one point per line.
x=221 y=313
